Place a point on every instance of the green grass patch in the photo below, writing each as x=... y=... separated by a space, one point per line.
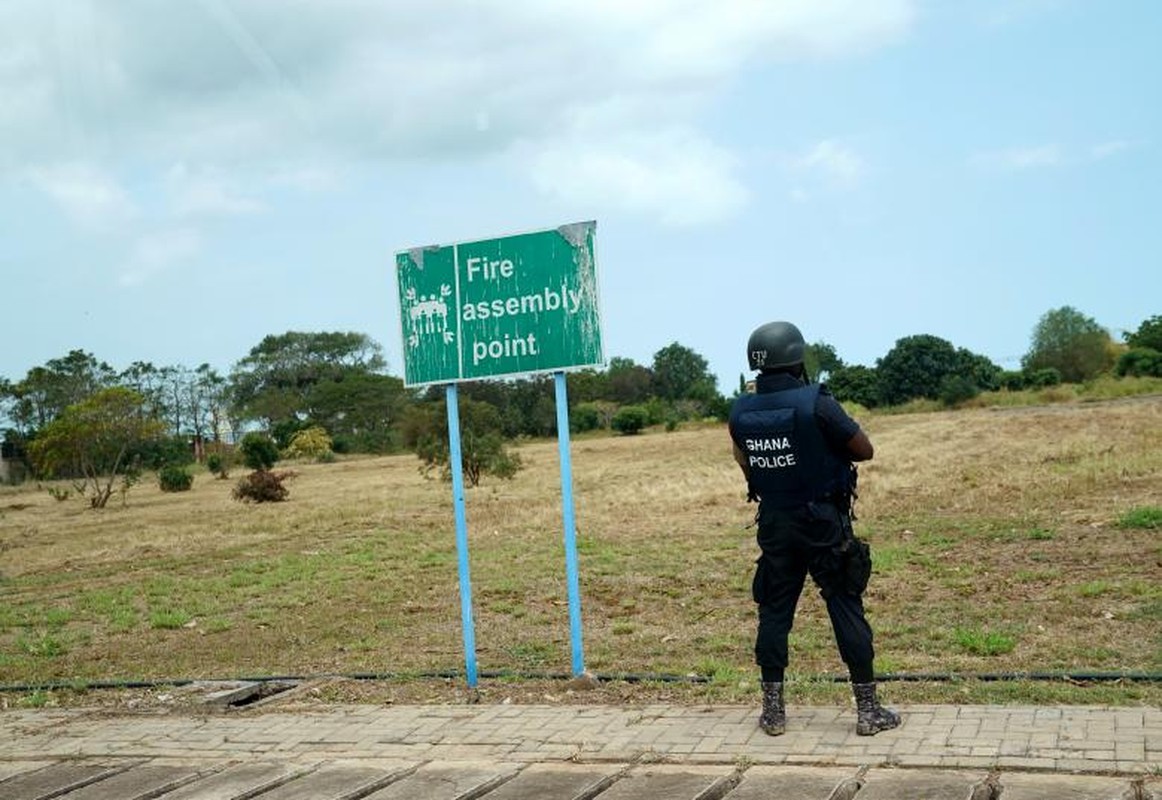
x=978 y=642
x=168 y=619
x=1095 y=588
x=41 y=645
x=1146 y=517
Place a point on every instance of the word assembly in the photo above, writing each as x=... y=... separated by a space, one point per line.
x=513 y=344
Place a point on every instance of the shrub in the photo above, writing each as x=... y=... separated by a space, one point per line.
x=219 y=464
x=1140 y=362
x=1043 y=377
x=259 y=451
x=480 y=454
x=173 y=478
x=159 y=453
x=584 y=417
x=1013 y=380
x=629 y=420
x=956 y=389
x=262 y=486
x=313 y=443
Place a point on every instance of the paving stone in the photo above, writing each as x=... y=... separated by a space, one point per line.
x=143 y=780
x=883 y=784
x=551 y=781
x=53 y=780
x=447 y=781
x=1061 y=787
x=800 y=783
x=665 y=781
x=237 y=781
x=12 y=768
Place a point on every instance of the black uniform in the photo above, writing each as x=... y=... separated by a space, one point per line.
x=794 y=436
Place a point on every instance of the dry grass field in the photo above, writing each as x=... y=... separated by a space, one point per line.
x=1005 y=541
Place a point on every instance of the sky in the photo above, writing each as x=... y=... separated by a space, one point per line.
x=180 y=179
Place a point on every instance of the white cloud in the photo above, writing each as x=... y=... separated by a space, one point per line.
x=247 y=83
x=1104 y=150
x=154 y=253
x=1020 y=158
x=837 y=162
x=206 y=193
x=216 y=81
x=87 y=195
x=673 y=176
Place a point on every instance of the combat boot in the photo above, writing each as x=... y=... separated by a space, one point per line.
x=871 y=717
x=773 y=720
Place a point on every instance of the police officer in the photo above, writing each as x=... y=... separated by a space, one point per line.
x=796 y=445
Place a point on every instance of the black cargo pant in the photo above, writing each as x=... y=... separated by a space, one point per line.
x=796 y=542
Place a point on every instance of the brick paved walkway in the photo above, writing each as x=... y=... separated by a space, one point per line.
x=1097 y=740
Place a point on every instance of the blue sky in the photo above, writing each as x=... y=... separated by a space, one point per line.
x=178 y=180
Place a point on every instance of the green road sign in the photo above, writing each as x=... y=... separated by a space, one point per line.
x=495 y=307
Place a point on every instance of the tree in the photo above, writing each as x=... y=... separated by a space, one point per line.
x=821 y=360
x=275 y=382
x=629 y=383
x=46 y=391
x=915 y=367
x=854 y=384
x=681 y=374
x=978 y=371
x=1148 y=335
x=482 y=446
x=1070 y=342
x=91 y=441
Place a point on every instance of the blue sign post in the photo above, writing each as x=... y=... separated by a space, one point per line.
x=515 y=305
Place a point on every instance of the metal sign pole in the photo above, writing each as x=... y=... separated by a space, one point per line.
x=574 y=587
x=455 y=464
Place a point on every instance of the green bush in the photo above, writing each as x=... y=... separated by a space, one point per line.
x=158 y=453
x=219 y=464
x=1013 y=380
x=1140 y=362
x=1043 y=377
x=584 y=417
x=956 y=389
x=262 y=486
x=259 y=451
x=173 y=478
x=629 y=420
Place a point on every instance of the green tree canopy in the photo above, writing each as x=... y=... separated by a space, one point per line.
x=275 y=382
x=46 y=391
x=1070 y=342
x=93 y=439
x=1149 y=334
x=629 y=382
x=682 y=374
x=854 y=383
x=820 y=359
x=915 y=367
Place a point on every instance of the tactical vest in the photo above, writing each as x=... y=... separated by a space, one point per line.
x=788 y=460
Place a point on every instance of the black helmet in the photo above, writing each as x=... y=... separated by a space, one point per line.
x=775 y=345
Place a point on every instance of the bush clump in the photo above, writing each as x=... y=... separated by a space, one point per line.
x=259 y=451
x=629 y=420
x=311 y=443
x=172 y=478
x=219 y=463
x=262 y=486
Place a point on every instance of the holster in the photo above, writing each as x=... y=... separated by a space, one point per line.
x=855 y=557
